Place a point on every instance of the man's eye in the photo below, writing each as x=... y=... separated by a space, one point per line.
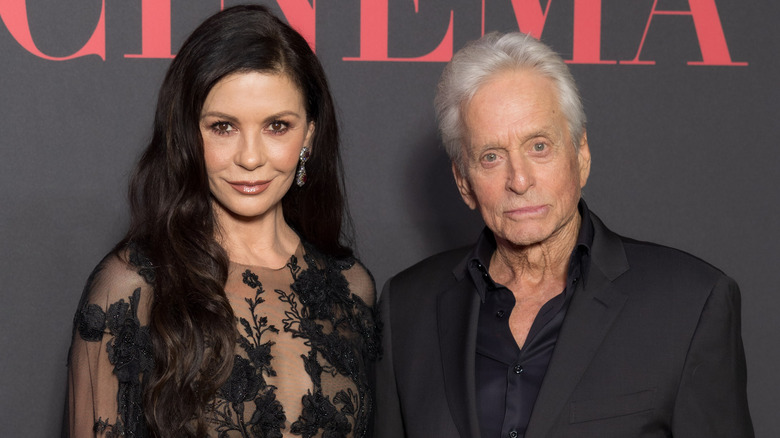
x=490 y=157
x=539 y=147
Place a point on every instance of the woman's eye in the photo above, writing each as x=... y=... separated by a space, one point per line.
x=222 y=128
x=278 y=127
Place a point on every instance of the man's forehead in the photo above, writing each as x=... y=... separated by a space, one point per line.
x=514 y=99
x=508 y=89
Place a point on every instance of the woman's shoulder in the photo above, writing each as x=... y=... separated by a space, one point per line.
x=358 y=278
x=361 y=282
x=123 y=277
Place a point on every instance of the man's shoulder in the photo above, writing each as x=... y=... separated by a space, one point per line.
x=443 y=261
x=433 y=272
x=667 y=257
x=660 y=260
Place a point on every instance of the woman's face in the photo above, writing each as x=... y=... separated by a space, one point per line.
x=253 y=127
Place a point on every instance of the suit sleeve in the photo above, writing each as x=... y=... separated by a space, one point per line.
x=388 y=420
x=712 y=397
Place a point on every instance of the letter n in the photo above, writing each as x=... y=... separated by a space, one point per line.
x=302 y=17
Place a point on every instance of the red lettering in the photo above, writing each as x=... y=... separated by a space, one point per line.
x=156 y=25
x=14 y=14
x=709 y=32
x=302 y=17
x=529 y=16
x=374 y=35
x=155 y=30
x=587 y=26
x=586 y=48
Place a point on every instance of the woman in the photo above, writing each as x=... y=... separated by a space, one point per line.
x=231 y=307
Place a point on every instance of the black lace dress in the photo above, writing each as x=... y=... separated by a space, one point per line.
x=307 y=340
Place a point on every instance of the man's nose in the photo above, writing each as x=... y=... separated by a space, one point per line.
x=520 y=174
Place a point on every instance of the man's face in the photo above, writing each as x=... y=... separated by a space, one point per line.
x=523 y=173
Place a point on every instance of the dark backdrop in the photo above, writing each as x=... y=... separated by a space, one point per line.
x=683 y=154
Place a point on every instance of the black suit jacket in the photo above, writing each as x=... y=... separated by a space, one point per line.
x=650 y=347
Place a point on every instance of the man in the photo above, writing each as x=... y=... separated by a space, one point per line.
x=550 y=325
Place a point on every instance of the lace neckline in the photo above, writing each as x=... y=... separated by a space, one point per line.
x=298 y=253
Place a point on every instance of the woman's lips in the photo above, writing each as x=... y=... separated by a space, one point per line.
x=249 y=187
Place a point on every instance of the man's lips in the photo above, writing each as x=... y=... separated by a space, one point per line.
x=534 y=210
x=249 y=187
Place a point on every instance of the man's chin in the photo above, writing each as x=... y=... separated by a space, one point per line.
x=520 y=239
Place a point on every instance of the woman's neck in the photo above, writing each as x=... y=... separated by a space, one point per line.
x=265 y=240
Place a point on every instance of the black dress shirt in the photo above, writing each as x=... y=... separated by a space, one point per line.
x=508 y=377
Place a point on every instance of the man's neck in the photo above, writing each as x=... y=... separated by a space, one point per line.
x=531 y=266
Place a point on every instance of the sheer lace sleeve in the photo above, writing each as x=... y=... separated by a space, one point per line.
x=361 y=283
x=363 y=289
x=110 y=351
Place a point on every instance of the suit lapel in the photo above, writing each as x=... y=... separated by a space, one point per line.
x=457 y=316
x=593 y=309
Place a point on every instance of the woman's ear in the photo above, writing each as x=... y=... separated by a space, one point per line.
x=309 y=138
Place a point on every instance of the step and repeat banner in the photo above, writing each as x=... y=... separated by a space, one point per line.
x=681 y=97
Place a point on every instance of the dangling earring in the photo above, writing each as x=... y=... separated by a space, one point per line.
x=300 y=175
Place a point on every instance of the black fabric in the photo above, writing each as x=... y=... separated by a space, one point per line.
x=647 y=332
x=508 y=377
x=307 y=340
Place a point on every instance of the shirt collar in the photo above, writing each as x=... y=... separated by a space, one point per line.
x=477 y=262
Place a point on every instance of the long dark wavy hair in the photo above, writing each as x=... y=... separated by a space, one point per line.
x=192 y=323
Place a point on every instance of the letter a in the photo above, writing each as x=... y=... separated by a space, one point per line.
x=709 y=31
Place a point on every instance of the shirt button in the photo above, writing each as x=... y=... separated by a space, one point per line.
x=518 y=370
x=513 y=434
x=500 y=314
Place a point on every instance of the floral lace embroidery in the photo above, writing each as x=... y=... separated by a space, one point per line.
x=317 y=294
x=247 y=379
x=129 y=351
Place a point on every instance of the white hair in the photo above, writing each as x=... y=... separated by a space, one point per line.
x=477 y=62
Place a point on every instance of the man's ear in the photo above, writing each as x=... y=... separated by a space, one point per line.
x=464 y=187
x=583 y=158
